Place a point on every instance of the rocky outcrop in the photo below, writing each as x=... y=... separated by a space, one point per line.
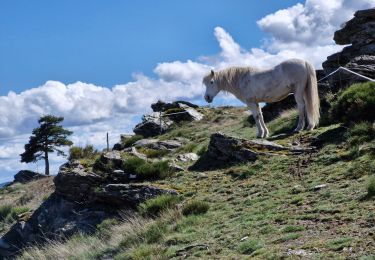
x=161 y=106
x=129 y=194
x=157 y=144
x=183 y=113
x=82 y=199
x=152 y=125
x=224 y=150
x=25 y=176
x=360 y=55
x=75 y=183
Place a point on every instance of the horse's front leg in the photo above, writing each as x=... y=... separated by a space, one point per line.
x=262 y=130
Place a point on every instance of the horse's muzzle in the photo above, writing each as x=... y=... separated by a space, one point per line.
x=208 y=99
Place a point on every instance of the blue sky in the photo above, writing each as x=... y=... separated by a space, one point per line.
x=100 y=64
x=104 y=42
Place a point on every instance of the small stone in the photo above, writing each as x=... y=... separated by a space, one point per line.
x=319 y=187
x=187 y=157
x=244 y=238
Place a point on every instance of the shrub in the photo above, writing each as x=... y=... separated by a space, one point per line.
x=146 y=170
x=9 y=213
x=249 y=246
x=127 y=142
x=195 y=207
x=154 y=207
x=76 y=152
x=354 y=104
x=131 y=164
x=360 y=133
x=152 y=153
x=371 y=187
x=5 y=210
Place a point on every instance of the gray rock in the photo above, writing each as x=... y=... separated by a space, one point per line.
x=185 y=113
x=161 y=106
x=130 y=194
x=25 y=176
x=158 y=145
x=75 y=184
x=187 y=157
x=359 y=56
x=228 y=148
x=150 y=125
x=319 y=187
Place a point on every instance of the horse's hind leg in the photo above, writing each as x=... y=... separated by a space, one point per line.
x=298 y=95
x=262 y=131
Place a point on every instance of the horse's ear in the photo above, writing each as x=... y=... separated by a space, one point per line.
x=212 y=73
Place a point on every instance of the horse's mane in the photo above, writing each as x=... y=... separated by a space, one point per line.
x=229 y=78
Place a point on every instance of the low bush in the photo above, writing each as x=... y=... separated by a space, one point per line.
x=5 y=210
x=10 y=213
x=127 y=142
x=76 y=152
x=371 y=187
x=249 y=246
x=360 y=133
x=355 y=104
x=154 y=207
x=195 y=207
x=152 y=153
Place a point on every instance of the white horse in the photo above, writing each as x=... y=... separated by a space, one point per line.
x=252 y=86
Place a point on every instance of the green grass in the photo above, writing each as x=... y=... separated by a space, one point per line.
x=354 y=104
x=195 y=207
x=371 y=187
x=154 y=207
x=249 y=246
x=271 y=201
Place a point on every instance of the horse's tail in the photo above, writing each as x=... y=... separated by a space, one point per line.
x=311 y=97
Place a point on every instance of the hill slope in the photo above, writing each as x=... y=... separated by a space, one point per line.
x=312 y=205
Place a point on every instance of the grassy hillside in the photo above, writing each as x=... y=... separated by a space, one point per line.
x=316 y=205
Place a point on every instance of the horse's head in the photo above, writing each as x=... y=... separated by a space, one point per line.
x=211 y=87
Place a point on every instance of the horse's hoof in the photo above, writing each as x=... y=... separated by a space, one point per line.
x=310 y=127
x=297 y=130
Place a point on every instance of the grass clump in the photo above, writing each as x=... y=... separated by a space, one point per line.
x=152 y=153
x=354 y=104
x=340 y=243
x=77 y=152
x=360 y=133
x=127 y=141
x=147 y=170
x=249 y=246
x=154 y=207
x=195 y=207
x=371 y=187
x=9 y=213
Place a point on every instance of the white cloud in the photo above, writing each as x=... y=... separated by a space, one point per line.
x=303 y=31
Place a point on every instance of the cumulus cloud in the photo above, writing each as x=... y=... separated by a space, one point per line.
x=301 y=31
x=309 y=25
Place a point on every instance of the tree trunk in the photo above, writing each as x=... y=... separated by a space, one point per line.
x=46 y=172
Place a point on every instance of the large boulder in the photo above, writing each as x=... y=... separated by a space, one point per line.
x=359 y=56
x=183 y=112
x=25 y=176
x=152 y=125
x=75 y=183
x=225 y=148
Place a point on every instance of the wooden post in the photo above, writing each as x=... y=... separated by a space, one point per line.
x=107 y=143
x=161 y=128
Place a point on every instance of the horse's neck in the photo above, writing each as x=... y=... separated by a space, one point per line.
x=233 y=87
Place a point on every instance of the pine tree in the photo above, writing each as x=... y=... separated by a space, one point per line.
x=46 y=138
